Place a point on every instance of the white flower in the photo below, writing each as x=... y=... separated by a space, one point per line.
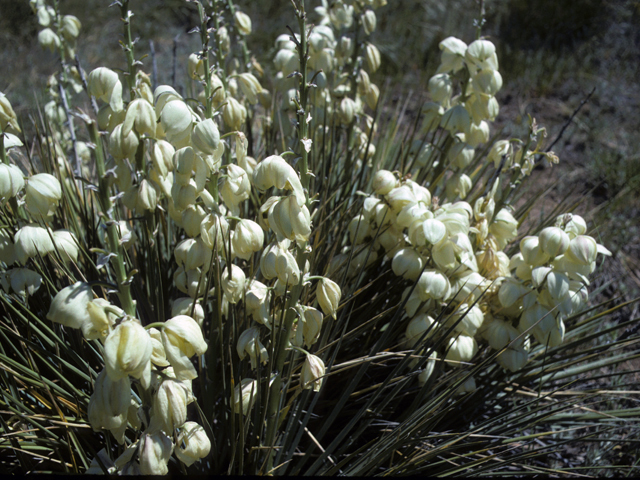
x=182 y=339
x=127 y=351
x=312 y=372
x=328 y=294
x=69 y=306
x=193 y=443
x=155 y=451
x=43 y=193
x=249 y=344
x=244 y=395
x=109 y=405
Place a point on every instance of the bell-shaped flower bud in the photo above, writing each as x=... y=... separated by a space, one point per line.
x=214 y=230
x=70 y=27
x=43 y=193
x=242 y=22
x=109 y=405
x=234 y=114
x=286 y=267
x=31 y=241
x=192 y=444
x=553 y=241
x=48 y=39
x=182 y=339
x=504 y=227
x=244 y=395
x=141 y=197
x=328 y=294
x=487 y=82
x=573 y=225
x=500 y=149
x=236 y=186
x=69 y=306
x=372 y=59
x=11 y=181
x=195 y=66
x=452 y=57
x=274 y=171
x=155 y=450
x=185 y=306
x=176 y=120
x=104 y=84
x=250 y=86
x=127 y=351
x=467 y=319
x=206 y=136
x=290 y=220
x=461 y=349
x=66 y=244
x=140 y=117
x=407 y=263
x=247 y=239
x=232 y=282
x=532 y=253
x=313 y=371
x=24 y=281
x=384 y=181
x=440 y=88
x=433 y=284
x=249 y=344
x=369 y=21
x=417 y=328
x=8 y=118
x=582 y=250
x=169 y=406
x=193 y=253
x=481 y=54
x=347 y=111
x=101 y=320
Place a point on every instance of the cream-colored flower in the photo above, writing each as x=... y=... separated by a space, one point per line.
x=43 y=193
x=193 y=443
x=182 y=339
x=313 y=371
x=127 y=351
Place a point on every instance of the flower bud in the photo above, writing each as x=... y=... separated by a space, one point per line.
x=182 y=339
x=141 y=197
x=169 y=406
x=31 y=241
x=11 y=181
x=372 y=96
x=66 y=245
x=104 y=84
x=250 y=86
x=193 y=253
x=312 y=372
x=407 y=263
x=417 y=327
x=249 y=344
x=109 y=405
x=236 y=187
x=141 y=117
x=531 y=252
x=24 y=281
x=369 y=22
x=127 y=351
x=184 y=306
x=243 y=22
x=206 y=137
x=43 y=193
x=195 y=66
x=214 y=230
x=481 y=54
x=440 y=88
x=433 y=284
x=8 y=118
x=328 y=294
x=234 y=114
x=467 y=319
x=244 y=395
x=155 y=451
x=487 y=82
x=372 y=58
x=247 y=238
x=582 y=250
x=48 y=40
x=573 y=225
x=290 y=220
x=192 y=444
x=274 y=171
x=70 y=27
x=232 y=282
x=176 y=120
x=553 y=241
x=461 y=349
x=452 y=57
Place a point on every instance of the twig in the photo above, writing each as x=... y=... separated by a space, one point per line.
x=72 y=131
x=85 y=85
x=568 y=122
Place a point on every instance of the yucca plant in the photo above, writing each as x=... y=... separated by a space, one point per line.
x=294 y=281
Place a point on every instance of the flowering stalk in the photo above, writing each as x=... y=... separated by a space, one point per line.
x=124 y=289
x=127 y=46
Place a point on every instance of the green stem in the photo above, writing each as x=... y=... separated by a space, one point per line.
x=3 y=152
x=124 y=289
x=303 y=126
x=127 y=46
